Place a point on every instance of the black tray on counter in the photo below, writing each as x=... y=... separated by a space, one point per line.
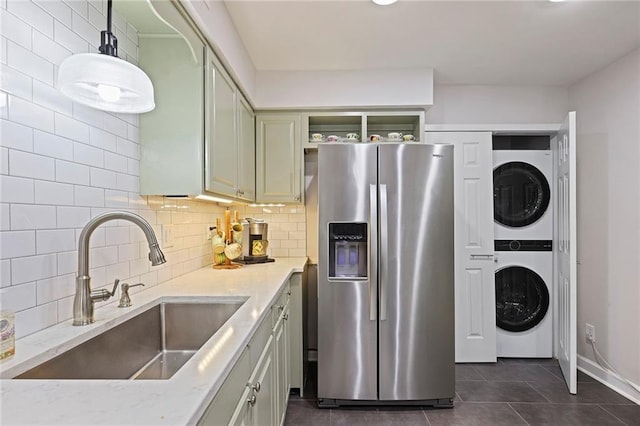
x=254 y=260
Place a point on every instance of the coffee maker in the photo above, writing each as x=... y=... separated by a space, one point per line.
x=254 y=241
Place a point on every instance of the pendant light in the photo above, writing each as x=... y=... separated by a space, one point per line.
x=384 y=2
x=104 y=81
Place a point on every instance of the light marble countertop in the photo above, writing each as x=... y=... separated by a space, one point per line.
x=183 y=398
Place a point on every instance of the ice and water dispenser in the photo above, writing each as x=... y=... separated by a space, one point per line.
x=348 y=250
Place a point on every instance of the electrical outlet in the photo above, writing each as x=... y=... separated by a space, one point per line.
x=167 y=236
x=590 y=332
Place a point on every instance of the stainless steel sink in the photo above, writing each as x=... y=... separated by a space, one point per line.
x=151 y=345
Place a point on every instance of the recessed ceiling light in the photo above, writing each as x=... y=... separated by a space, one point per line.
x=384 y=2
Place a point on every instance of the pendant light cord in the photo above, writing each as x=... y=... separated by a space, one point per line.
x=109 y=42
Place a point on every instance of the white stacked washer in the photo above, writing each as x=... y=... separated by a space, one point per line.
x=524 y=260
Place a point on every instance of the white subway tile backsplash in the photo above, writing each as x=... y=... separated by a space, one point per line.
x=89 y=197
x=35 y=319
x=84 y=29
x=4 y=102
x=101 y=139
x=133 y=133
x=19 y=297
x=24 y=112
x=57 y=9
x=65 y=309
x=137 y=201
x=55 y=240
x=13 y=135
x=52 y=146
x=72 y=217
x=103 y=256
x=5 y=273
x=48 y=49
x=5 y=223
x=26 y=164
x=70 y=128
x=116 y=162
x=102 y=178
x=32 y=15
x=129 y=252
x=87 y=154
x=33 y=65
x=100 y=119
x=127 y=182
x=16 y=189
x=128 y=148
x=96 y=18
x=32 y=268
x=69 y=172
x=116 y=199
x=139 y=267
x=56 y=288
x=50 y=97
x=67 y=262
x=3 y=48
x=17 y=244
x=28 y=216
x=79 y=6
x=68 y=39
x=53 y=193
x=116 y=235
x=98 y=5
x=4 y=161
x=133 y=167
x=118 y=22
x=118 y=270
x=15 y=29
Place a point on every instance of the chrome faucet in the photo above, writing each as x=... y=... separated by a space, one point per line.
x=85 y=297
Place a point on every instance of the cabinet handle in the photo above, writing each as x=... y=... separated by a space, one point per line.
x=296 y=198
x=289 y=293
x=286 y=317
x=252 y=400
x=280 y=308
x=256 y=387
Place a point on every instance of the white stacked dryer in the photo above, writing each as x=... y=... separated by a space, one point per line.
x=524 y=261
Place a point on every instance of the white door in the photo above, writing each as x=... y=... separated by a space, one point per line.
x=564 y=248
x=475 y=303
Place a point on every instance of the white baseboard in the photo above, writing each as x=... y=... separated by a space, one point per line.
x=593 y=370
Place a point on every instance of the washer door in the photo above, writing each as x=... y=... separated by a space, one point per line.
x=521 y=194
x=522 y=298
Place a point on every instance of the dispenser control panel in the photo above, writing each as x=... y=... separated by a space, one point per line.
x=348 y=250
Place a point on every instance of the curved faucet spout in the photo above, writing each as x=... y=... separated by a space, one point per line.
x=83 y=301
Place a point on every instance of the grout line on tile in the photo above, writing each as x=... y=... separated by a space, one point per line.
x=517 y=413
x=538 y=392
x=612 y=414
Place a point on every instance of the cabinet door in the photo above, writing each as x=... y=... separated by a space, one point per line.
x=243 y=413
x=278 y=159
x=246 y=152
x=281 y=339
x=475 y=306
x=296 y=324
x=264 y=409
x=221 y=147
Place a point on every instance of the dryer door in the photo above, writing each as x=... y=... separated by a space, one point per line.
x=521 y=194
x=522 y=299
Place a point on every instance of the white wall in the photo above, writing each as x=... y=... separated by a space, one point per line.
x=468 y=104
x=344 y=89
x=608 y=184
x=62 y=163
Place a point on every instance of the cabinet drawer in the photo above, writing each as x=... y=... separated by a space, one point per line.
x=223 y=405
x=281 y=301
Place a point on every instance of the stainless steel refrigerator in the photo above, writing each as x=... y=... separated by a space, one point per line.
x=385 y=274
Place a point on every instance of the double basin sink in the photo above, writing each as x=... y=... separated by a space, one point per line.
x=152 y=345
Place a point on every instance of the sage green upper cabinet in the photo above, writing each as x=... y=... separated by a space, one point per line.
x=230 y=139
x=172 y=135
x=278 y=158
x=246 y=152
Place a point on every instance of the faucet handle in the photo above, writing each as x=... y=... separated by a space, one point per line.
x=125 y=299
x=102 y=295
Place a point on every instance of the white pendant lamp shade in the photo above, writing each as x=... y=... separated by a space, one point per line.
x=106 y=82
x=384 y=2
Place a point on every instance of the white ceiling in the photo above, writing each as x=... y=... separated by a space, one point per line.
x=465 y=42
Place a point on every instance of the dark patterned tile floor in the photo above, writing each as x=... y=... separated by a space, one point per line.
x=509 y=392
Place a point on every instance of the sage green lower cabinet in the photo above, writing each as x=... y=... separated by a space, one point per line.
x=278 y=158
x=256 y=391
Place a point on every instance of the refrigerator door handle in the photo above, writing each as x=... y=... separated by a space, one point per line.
x=384 y=248
x=373 y=252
